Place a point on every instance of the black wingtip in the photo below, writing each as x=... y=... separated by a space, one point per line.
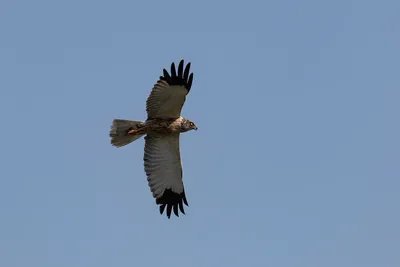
x=186 y=74
x=180 y=69
x=189 y=83
x=176 y=210
x=172 y=202
x=181 y=207
x=166 y=75
x=173 y=70
x=162 y=208
x=169 y=209
x=182 y=78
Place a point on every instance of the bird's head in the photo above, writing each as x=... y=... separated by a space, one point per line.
x=188 y=125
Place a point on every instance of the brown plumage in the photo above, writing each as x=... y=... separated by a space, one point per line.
x=162 y=161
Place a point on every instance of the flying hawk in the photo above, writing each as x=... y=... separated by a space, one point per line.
x=162 y=160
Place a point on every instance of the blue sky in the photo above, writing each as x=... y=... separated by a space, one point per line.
x=296 y=161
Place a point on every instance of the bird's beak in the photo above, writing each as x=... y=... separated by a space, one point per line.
x=195 y=127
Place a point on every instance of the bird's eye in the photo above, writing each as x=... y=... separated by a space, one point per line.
x=191 y=124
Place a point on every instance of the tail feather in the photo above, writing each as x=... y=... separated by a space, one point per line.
x=119 y=129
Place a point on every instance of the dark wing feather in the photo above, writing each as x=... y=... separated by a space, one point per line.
x=169 y=93
x=180 y=70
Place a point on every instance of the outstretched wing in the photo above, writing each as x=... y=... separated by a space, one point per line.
x=162 y=164
x=169 y=93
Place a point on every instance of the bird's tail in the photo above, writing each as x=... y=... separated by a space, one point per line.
x=119 y=132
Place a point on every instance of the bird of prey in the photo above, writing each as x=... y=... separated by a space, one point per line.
x=164 y=124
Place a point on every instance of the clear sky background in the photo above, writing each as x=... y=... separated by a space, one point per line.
x=296 y=161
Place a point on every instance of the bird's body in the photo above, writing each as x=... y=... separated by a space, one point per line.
x=161 y=126
x=164 y=124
